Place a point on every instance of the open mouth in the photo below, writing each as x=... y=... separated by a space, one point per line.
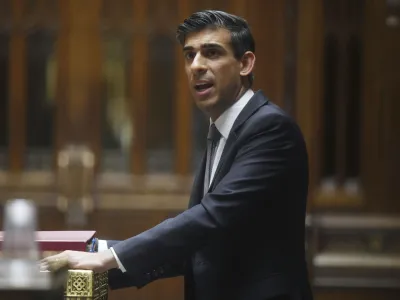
x=201 y=87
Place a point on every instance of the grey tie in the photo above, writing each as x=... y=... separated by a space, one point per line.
x=213 y=138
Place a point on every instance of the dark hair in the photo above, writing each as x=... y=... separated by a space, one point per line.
x=241 y=37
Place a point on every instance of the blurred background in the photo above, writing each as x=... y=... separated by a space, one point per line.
x=98 y=128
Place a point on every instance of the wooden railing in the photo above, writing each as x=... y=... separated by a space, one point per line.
x=357 y=251
x=315 y=59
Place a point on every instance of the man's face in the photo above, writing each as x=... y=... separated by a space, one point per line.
x=212 y=69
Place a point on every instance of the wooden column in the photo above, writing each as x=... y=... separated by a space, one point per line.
x=61 y=118
x=339 y=27
x=289 y=60
x=17 y=89
x=381 y=106
x=139 y=85
x=309 y=80
x=183 y=105
x=79 y=75
x=267 y=21
x=372 y=109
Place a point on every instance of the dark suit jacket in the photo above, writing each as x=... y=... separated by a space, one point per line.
x=245 y=238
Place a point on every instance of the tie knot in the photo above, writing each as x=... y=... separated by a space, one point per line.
x=213 y=133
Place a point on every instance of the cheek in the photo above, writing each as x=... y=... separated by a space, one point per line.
x=230 y=75
x=187 y=72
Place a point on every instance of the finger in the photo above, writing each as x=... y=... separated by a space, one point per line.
x=52 y=257
x=56 y=262
x=43 y=266
x=44 y=262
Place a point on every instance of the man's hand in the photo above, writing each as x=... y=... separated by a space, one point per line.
x=98 y=262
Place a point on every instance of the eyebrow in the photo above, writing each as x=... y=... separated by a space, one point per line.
x=204 y=46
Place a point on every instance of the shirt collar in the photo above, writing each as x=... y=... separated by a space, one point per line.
x=225 y=121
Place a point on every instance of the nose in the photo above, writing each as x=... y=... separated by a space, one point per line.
x=198 y=65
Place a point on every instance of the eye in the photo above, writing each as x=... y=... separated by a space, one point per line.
x=189 y=55
x=212 y=53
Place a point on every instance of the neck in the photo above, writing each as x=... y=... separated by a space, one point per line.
x=242 y=91
x=239 y=95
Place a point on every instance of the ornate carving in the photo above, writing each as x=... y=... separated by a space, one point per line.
x=86 y=285
x=76 y=180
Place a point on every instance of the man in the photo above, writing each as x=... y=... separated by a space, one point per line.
x=242 y=236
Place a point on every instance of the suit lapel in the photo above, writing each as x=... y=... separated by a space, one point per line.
x=251 y=107
x=198 y=183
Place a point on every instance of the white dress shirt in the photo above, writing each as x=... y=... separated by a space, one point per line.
x=224 y=125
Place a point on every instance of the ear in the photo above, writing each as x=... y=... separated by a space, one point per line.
x=247 y=63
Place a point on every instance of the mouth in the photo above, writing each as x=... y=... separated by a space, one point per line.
x=203 y=88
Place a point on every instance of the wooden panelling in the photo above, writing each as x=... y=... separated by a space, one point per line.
x=290 y=63
x=335 y=162
x=338 y=23
x=341 y=101
x=309 y=79
x=139 y=85
x=239 y=7
x=81 y=88
x=381 y=94
x=183 y=104
x=267 y=21
x=289 y=69
x=356 y=294
x=372 y=98
x=62 y=45
x=17 y=90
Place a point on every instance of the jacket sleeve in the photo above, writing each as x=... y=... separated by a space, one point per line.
x=259 y=168
x=118 y=279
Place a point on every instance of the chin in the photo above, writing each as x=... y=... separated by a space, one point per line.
x=206 y=104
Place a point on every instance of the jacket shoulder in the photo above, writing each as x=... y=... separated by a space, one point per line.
x=268 y=116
